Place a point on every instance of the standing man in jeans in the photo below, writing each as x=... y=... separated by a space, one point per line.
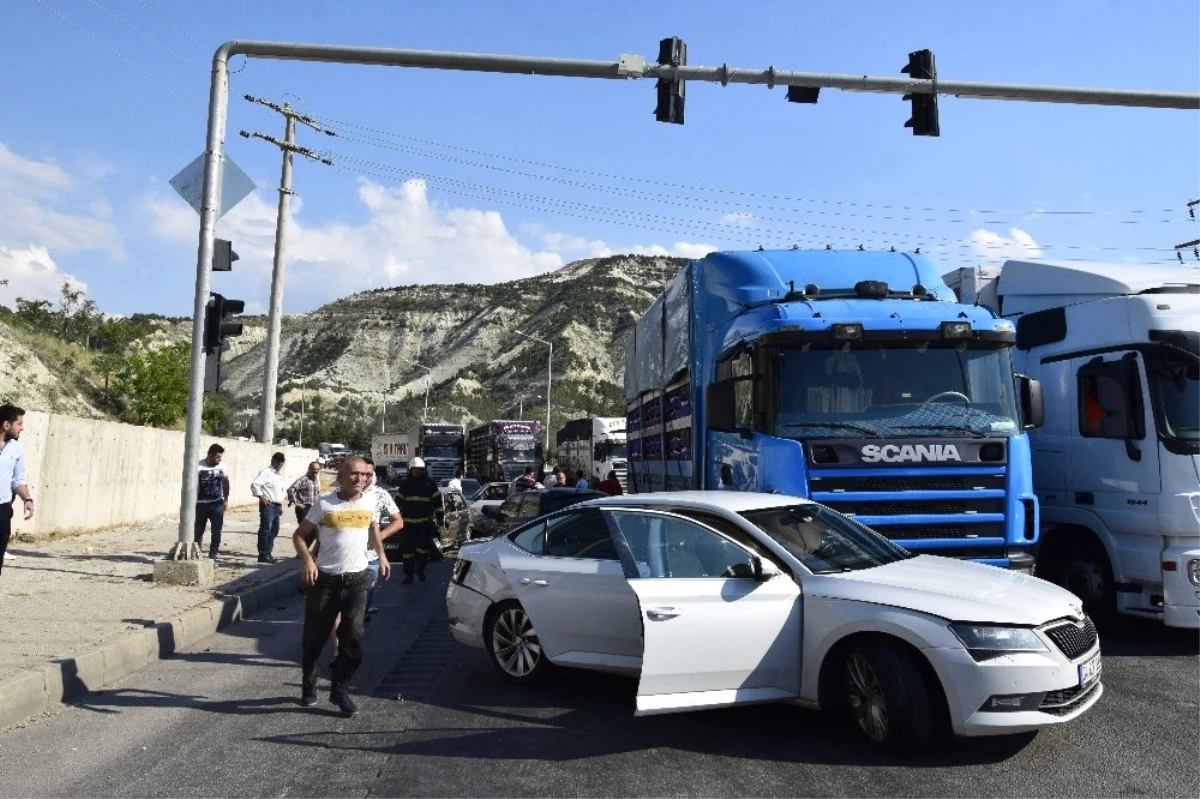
x=304 y=492
x=12 y=473
x=268 y=487
x=212 y=499
x=345 y=525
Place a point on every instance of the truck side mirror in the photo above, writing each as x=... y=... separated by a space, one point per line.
x=720 y=408
x=1033 y=406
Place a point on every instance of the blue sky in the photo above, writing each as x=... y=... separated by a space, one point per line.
x=462 y=177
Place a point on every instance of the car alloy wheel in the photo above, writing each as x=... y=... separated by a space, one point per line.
x=514 y=645
x=867 y=701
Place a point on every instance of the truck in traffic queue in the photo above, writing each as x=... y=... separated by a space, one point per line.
x=596 y=445
x=441 y=446
x=853 y=378
x=388 y=449
x=501 y=449
x=1117 y=463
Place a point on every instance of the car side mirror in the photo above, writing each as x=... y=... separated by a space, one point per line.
x=764 y=569
x=1033 y=405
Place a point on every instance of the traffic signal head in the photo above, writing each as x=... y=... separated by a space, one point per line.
x=223 y=256
x=671 y=52
x=218 y=323
x=924 y=121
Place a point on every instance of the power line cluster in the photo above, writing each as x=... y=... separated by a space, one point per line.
x=734 y=215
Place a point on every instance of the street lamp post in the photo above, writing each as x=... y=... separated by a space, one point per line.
x=428 y=380
x=549 y=366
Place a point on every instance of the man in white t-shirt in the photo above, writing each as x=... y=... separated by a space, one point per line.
x=339 y=580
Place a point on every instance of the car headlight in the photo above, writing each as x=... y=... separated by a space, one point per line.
x=984 y=642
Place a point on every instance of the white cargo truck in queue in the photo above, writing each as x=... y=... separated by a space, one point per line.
x=1117 y=464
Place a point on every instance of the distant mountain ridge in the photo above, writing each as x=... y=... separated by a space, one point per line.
x=357 y=352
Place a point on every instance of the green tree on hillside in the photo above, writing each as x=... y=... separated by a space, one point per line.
x=152 y=385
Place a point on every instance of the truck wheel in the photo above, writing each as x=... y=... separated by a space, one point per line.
x=1086 y=573
x=513 y=645
x=888 y=695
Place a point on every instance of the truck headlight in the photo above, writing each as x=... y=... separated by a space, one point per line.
x=1194 y=572
x=984 y=642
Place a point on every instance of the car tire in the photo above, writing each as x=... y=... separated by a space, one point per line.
x=888 y=695
x=513 y=646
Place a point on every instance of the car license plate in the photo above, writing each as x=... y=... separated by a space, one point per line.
x=1089 y=670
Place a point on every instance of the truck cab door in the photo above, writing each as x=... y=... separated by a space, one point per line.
x=1115 y=459
x=717 y=630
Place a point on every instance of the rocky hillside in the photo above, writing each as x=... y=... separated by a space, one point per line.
x=356 y=353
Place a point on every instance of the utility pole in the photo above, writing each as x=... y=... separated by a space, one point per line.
x=549 y=366
x=266 y=425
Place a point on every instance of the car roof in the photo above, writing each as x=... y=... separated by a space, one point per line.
x=733 y=501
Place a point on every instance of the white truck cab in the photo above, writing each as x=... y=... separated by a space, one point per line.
x=1117 y=463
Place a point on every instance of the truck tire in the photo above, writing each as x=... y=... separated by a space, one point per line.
x=1083 y=568
x=887 y=694
x=513 y=646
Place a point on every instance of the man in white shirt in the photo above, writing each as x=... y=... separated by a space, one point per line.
x=269 y=488
x=12 y=473
x=455 y=482
x=339 y=580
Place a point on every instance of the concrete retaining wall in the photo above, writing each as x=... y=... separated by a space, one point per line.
x=90 y=475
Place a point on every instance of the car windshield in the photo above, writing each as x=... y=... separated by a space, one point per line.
x=470 y=486
x=825 y=541
x=1173 y=382
x=927 y=389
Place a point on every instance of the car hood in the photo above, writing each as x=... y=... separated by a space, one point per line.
x=955 y=590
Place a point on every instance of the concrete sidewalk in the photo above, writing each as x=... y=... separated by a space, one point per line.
x=78 y=613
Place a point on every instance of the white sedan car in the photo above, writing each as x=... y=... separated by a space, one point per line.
x=724 y=598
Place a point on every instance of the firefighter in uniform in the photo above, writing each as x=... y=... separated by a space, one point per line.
x=418 y=495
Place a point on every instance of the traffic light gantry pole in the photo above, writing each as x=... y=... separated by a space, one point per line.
x=625 y=67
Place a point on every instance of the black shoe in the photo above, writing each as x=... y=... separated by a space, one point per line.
x=421 y=576
x=408 y=578
x=308 y=694
x=267 y=559
x=342 y=699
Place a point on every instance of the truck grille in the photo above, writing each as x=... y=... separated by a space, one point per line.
x=932 y=482
x=1060 y=703
x=927 y=532
x=912 y=507
x=1074 y=639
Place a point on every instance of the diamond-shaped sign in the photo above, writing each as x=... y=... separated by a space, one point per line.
x=236 y=185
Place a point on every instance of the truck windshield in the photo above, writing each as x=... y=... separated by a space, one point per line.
x=518 y=446
x=888 y=389
x=1173 y=382
x=616 y=451
x=825 y=541
x=441 y=450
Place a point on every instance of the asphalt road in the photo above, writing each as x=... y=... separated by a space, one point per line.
x=222 y=719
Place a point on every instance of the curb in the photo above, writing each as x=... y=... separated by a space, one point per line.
x=35 y=691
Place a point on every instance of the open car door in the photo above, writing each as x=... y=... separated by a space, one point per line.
x=720 y=626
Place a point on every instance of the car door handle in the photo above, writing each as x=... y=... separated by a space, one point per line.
x=541 y=583
x=661 y=614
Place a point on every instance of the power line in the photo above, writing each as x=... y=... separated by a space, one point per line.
x=706 y=189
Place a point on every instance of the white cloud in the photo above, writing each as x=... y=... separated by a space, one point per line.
x=739 y=219
x=990 y=245
x=407 y=238
x=43 y=205
x=32 y=274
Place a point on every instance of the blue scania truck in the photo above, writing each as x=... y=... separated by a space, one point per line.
x=853 y=378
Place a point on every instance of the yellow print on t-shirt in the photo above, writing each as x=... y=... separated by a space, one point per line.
x=346 y=519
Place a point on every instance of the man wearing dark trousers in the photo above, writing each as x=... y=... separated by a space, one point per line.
x=212 y=499
x=12 y=473
x=339 y=579
x=269 y=488
x=418 y=497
